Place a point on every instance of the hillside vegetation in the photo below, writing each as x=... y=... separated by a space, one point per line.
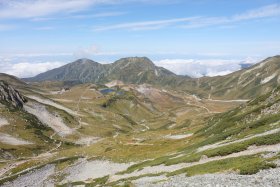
x=132 y=123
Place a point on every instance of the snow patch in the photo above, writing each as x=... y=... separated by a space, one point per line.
x=229 y=101
x=178 y=137
x=8 y=139
x=114 y=83
x=256 y=67
x=156 y=73
x=3 y=122
x=267 y=79
x=88 y=140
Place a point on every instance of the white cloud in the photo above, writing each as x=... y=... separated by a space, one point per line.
x=27 y=69
x=191 y=67
x=97 y=15
x=196 y=21
x=80 y=16
x=39 y=8
x=47 y=28
x=30 y=55
x=144 y=24
x=262 y=12
x=4 y=27
x=92 y=51
x=266 y=11
x=87 y=52
x=199 y=68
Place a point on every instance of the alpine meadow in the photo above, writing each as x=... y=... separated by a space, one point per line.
x=137 y=93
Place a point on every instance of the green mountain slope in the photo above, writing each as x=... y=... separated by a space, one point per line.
x=244 y=140
x=257 y=116
x=165 y=130
x=82 y=70
x=21 y=133
x=129 y=70
x=244 y=84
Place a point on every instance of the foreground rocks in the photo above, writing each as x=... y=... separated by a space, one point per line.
x=265 y=178
x=36 y=178
x=8 y=95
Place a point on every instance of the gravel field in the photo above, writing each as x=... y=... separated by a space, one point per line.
x=163 y=168
x=51 y=103
x=265 y=178
x=36 y=178
x=51 y=120
x=84 y=170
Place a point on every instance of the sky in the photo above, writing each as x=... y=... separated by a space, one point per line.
x=188 y=37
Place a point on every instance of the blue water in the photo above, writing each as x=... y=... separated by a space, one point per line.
x=107 y=91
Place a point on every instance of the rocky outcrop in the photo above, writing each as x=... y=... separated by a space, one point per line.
x=10 y=96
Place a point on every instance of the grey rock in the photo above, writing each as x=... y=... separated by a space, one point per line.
x=9 y=95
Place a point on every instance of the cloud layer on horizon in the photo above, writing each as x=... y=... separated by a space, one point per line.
x=190 y=67
x=27 y=69
x=205 y=67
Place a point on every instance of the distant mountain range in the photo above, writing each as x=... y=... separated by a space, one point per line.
x=245 y=65
x=247 y=83
x=129 y=70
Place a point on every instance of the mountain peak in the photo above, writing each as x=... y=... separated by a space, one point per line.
x=129 y=70
x=138 y=61
x=84 y=61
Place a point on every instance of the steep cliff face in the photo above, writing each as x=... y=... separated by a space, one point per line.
x=10 y=96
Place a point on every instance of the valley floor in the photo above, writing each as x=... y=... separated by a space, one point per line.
x=138 y=135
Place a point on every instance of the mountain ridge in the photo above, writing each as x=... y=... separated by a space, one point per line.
x=190 y=132
x=242 y=84
x=141 y=70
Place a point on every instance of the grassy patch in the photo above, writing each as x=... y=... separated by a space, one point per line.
x=220 y=151
x=245 y=165
x=228 y=149
x=127 y=181
x=96 y=182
